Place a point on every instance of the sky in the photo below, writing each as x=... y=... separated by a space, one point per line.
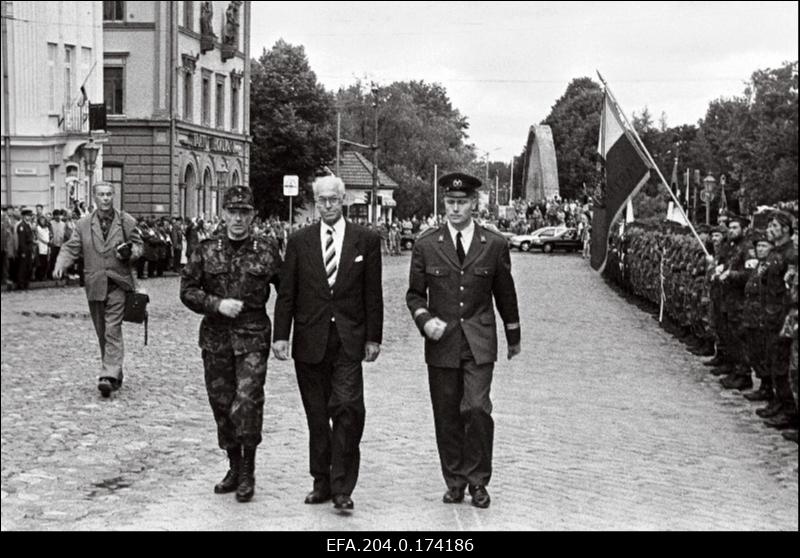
x=505 y=64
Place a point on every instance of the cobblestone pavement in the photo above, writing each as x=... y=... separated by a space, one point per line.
x=604 y=422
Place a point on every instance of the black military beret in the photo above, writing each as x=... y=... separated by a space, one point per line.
x=703 y=229
x=719 y=229
x=26 y=212
x=459 y=184
x=761 y=236
x=744 y=221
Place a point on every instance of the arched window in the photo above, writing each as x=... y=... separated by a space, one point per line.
x=236 y=179
x=188 y=192
x=202 y=202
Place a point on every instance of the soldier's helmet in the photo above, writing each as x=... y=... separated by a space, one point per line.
x=238 y=197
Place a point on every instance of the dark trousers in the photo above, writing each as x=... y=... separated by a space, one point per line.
x=778 y=361
x=733 y=335
x=333 y=392
x=176 y=260
x=235 y=387
x=462 y=414
x=41 y=268
x=4 y=275
x=24 y=266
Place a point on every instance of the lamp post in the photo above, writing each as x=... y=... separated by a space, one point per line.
x=90 y=151
x=709 y=182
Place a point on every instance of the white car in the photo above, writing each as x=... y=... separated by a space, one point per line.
x=524 y=242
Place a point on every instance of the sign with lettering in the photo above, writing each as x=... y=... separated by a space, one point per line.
x=211 y=143
x=291 y=185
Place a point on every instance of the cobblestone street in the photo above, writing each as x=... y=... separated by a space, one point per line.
x=603 y=422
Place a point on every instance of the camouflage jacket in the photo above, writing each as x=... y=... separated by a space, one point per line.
x=778 y=296
x=215 y=271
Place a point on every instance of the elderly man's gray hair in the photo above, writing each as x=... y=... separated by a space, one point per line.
x=103 y=183
x=329 y=180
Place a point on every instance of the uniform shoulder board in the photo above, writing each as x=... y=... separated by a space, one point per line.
x=492 y=231
x=427 y=232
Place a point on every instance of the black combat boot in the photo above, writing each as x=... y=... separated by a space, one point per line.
x=722 y=370
x=763 y=393
x=706 y=349
x=770 y=410
x=737 y=380
x=718 y=360
x=231 y=480
x=247 y=479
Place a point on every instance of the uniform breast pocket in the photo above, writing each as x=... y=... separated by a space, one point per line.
x=483 y=272
x=256 y=285
x=437 y=271
x=215 y=275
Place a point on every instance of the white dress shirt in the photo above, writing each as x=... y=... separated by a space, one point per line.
x=338 y=238
x=466 y=235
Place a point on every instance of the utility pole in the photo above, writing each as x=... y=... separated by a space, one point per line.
x=375 y=160
x=435 y=191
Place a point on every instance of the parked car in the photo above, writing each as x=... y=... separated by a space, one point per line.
x=407 y=239
x=524 y=242
x=563 y=239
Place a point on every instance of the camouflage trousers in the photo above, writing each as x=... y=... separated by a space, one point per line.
x=235 y=386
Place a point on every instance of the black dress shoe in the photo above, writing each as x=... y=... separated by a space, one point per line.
x=105 y=387
x=317 y=496
x=454 y=495
x=480 y=497
x=342 y=502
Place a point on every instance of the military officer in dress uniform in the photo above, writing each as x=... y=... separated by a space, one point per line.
x=456 y=269
x=227 y=280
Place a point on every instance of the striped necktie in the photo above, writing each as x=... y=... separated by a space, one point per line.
x=330 y=259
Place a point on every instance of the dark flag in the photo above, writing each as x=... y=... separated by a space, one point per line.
x=626 y=171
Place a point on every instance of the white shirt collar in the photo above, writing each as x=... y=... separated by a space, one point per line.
x=466 y=234
x=338 y=226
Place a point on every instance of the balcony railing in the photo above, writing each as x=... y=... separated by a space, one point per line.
x=74 y=118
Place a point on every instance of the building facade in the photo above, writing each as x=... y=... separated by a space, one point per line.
x=176 y=84
x=52 y=57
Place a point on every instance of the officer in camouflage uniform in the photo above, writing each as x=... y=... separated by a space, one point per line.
x=782 y=412
x=227 y=280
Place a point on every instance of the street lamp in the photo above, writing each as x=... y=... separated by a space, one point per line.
x=709 y=182
x=90 y=151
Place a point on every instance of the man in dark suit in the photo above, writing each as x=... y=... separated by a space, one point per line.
x=330 y=287
x=455 y=271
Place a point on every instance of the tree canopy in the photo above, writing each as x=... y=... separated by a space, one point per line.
x=291 y=117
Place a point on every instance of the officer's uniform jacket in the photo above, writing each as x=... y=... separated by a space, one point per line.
x=216 y=271
x=733 y=286
x=461 y=295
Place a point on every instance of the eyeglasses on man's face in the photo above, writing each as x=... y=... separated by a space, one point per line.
x=328 y=200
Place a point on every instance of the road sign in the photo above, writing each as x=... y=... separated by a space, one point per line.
x=291 y=185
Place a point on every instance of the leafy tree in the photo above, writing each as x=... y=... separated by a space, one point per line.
x=291 y=118
x=575 y=122
x=417 y=128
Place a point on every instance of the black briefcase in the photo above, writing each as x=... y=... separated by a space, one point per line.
x=136 y=309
